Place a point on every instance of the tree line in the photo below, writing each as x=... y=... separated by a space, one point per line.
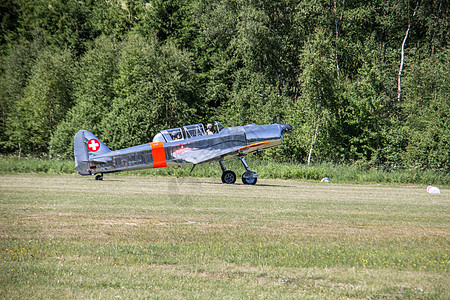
x=360 y=81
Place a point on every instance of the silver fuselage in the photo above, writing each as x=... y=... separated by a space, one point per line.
x=229 y=142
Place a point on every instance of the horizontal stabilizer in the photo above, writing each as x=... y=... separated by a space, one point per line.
x=101 y=159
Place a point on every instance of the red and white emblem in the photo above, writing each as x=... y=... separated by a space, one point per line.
x=93 y=145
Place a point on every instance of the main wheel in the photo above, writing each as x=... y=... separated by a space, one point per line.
x=249 y=181
x=99 y=177
x=228 y=177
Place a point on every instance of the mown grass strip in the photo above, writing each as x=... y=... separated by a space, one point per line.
x=69 y=236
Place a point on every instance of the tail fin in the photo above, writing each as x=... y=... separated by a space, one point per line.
x=87 y=147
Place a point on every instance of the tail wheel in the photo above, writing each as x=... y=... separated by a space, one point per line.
x=228 y=177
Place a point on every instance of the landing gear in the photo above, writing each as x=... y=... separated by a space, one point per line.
x=99 y=177
x=249 y=177
x=247 y=180
x=229 y=177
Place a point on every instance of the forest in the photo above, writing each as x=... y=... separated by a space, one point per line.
x=363 y=82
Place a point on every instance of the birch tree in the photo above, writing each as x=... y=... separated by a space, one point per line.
x=402 y=55
x=319 y=83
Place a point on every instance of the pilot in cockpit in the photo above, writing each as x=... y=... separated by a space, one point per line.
x=176 y=135
x=209 y=129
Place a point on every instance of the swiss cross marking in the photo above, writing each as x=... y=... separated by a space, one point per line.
x=93 y=145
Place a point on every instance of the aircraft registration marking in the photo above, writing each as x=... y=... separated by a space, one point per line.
x=159 y=155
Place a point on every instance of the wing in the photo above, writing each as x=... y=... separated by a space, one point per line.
x=197 y=156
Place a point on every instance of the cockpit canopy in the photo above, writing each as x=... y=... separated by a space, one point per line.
x=187 y=132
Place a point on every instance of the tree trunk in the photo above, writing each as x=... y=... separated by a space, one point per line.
x=18 y=136
x=402 y=56
x=337 y=36
x=316 y=130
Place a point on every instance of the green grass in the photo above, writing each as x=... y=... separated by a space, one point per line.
x=12 y=164
x=265 y=169
x=68 y=236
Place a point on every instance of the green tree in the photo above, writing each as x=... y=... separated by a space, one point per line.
x=427 y=112
x=14 y=75
x=47 y=98
x=366 y=107
x=93 y=94
x=115 y=17
x=215 y=22
x=253 y=100
x=8 y=24
x=319 y=93
x=166 y=19
x=156 y=89
x=64 y=24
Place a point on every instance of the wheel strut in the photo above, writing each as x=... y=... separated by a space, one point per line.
x=244 y=163
x=249 y=177
x=222 y=166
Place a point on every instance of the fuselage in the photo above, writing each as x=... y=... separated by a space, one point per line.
x=229 y=142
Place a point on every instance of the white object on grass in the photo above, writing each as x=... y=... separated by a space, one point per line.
x=433 y=190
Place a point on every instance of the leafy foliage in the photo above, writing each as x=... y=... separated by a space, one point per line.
x=427 y=112
x=93 y=92
x=45 y=102
x=155 y=88
x=126 y=69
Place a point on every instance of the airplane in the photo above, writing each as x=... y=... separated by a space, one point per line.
x=187 y=145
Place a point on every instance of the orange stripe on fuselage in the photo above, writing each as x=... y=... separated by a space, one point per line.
x=159 y=155
x=253 y=145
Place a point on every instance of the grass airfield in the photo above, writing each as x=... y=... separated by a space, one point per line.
x=68 y=236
